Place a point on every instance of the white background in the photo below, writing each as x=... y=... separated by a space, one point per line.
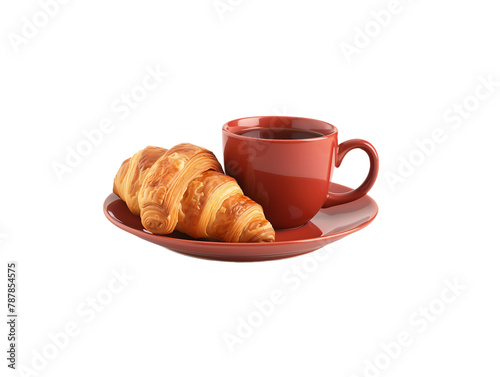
x=260 y=58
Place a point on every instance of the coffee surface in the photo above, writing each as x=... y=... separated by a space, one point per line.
x=279 y=133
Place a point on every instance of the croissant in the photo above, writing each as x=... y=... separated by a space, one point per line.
x=185 y=189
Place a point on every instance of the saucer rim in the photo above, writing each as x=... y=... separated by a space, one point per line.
x=161 y=238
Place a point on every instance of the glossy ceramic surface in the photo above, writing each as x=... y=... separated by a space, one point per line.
x=329 y=225
x=290 y=178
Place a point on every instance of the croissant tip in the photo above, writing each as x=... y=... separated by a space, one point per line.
x=264 y=236
x=267 y=240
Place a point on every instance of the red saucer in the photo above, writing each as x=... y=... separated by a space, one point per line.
x=329 y=225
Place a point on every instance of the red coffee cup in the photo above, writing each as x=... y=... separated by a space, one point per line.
x=285 y=164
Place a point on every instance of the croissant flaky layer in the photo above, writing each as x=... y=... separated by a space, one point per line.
x=185 y=189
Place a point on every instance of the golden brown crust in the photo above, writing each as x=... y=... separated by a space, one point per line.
x=131 y=174
x=184 y=188
x=165 y=183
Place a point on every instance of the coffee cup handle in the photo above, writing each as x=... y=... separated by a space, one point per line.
x=346 y=197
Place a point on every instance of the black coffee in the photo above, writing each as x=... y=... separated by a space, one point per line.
x=279 y=133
